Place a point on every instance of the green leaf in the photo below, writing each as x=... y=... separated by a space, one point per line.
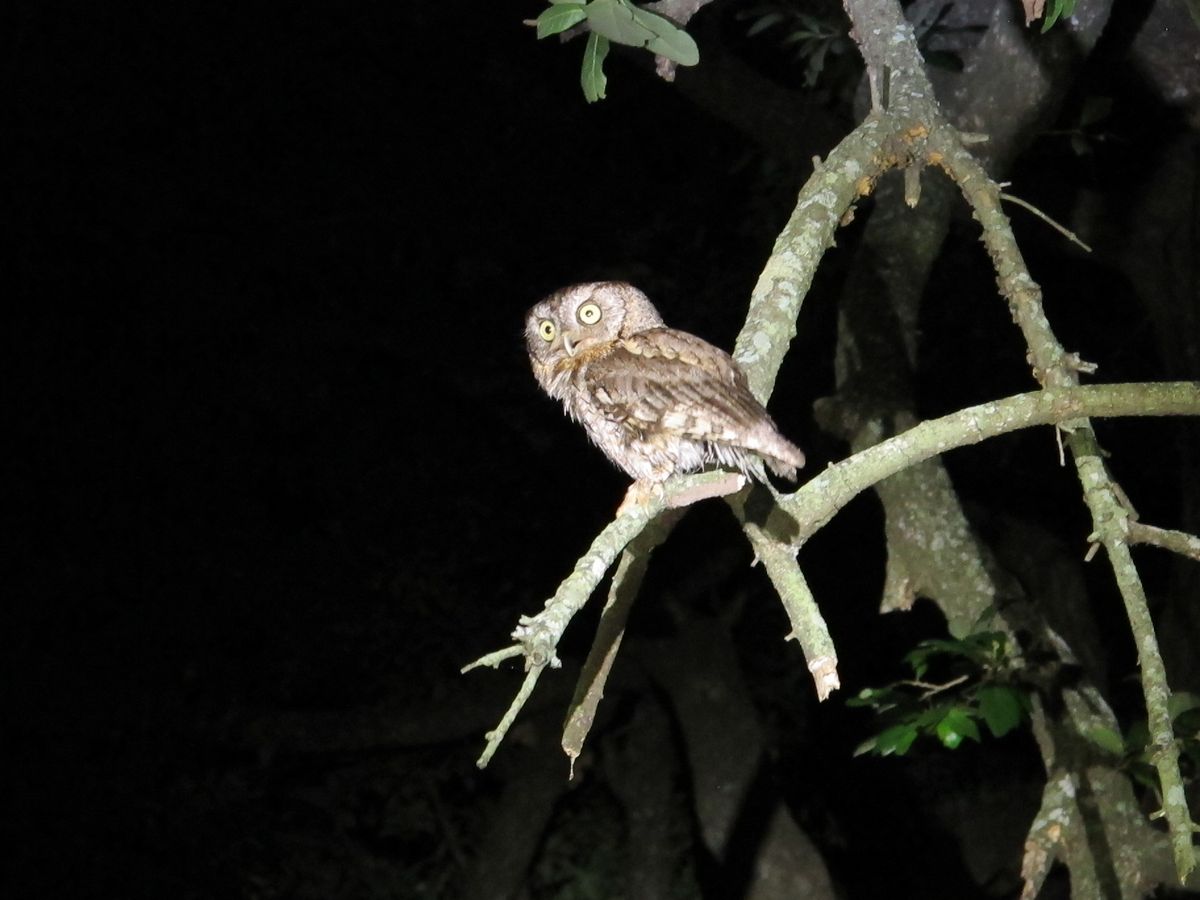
x=1180 y=702
x=592 y=78
x=1137 y=737
x=765 y=22
x=866 y=697
x=1190 y=749
x=896 y=739
x=558 y=18
x=968 y=648
x=816 y=63
x=615 y=20
x=993 y=644
x=866 y=746
x=671 y=41
x=813 y=24
x=932 y=716
x=1145 y=775
x=879 y=699
x=955 y=726
x=799 y=35
x=918 y=659
x=1107 y=740
x=1057 y=8
x=625 y=23
x=981 y=648
x=1000 y=707
x=1187 y=724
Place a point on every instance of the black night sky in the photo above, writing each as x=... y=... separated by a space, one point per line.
x=281 y=468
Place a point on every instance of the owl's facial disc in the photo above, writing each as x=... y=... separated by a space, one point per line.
x=587 y=315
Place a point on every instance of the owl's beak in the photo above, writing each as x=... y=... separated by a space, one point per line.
x=569 y=345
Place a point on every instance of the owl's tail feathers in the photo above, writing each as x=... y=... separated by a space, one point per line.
x=763 y=448
x=783 y=458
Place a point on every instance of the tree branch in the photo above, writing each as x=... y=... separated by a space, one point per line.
x=816 y=502
x=799 y=515
x=1176 y=541
x=623 y=590
x=848 y=173
x=1053 y=366
x=1110 y=517
x=808 y=625
x=538 y=636
x=907 y=130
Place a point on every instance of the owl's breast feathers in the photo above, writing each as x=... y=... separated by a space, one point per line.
x=560 y=377
x=662 y=386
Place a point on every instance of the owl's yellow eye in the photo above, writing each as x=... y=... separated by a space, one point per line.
x=547 y=330
x=588 y=314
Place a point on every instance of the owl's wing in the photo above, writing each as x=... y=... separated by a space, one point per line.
x=662 y=381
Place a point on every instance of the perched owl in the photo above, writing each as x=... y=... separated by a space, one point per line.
x=657 y=401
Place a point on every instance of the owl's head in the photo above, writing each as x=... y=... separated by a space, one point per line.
x=583 y=316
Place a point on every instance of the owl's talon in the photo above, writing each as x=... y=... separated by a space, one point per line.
x=640 y=493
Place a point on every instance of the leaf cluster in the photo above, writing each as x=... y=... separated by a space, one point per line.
x=978 y=687
x=615 y=21
x=810 y=37
x=1055 y=11
x=1135 y=753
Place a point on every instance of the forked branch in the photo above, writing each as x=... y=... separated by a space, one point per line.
x=799 y=515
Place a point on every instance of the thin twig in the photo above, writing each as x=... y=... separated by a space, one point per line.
x=1065 y=232
x=1176 y=541
x=932 y=690
x=495 y=736
x=494 y=658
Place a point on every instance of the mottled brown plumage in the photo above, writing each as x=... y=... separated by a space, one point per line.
x=657 y=401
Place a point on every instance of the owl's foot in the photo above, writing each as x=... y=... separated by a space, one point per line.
x=640 y=493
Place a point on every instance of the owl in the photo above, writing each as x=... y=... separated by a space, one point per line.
x=657 y=401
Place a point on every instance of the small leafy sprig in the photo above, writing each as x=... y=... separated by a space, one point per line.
x=1049 y=11
x=978 y=687
x=616 y=21
x=1135 y=753
x=810 y=36
x=1058 y=9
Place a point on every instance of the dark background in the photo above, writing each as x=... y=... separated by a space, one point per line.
x=281 y=468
